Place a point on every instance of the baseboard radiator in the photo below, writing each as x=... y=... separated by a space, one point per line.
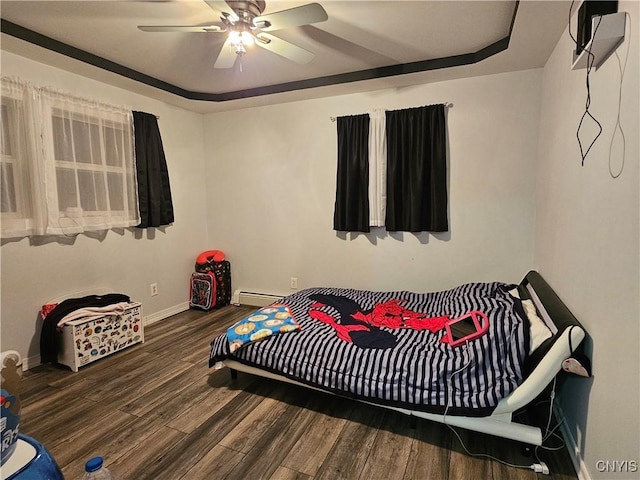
x=256 y=299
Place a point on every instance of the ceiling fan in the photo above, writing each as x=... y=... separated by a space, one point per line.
x=245 y=25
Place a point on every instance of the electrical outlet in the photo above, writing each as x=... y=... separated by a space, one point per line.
x=153 y=289
x=294 y=283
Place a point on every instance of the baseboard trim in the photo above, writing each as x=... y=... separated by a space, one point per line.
x=30 y=362
x=166 y=313
x=34 y=361
x=572 y=446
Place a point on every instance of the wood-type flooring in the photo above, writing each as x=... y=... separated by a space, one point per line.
x=156 y=411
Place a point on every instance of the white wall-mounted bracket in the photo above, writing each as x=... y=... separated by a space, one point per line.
x=609 y=33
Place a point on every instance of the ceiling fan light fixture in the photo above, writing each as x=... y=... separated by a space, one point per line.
x=238 y=38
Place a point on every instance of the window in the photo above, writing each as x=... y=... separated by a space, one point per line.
x=15 y=192
x=82 y=176
x=405 y=151
x=93 y=168
x=9 y=201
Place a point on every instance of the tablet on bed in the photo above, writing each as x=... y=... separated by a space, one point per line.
x=467 y=327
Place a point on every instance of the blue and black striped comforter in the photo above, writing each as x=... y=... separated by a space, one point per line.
x=385 y=347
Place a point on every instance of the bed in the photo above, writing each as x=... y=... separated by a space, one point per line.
x=394 y=349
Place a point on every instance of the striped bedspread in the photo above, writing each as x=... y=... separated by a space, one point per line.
x=386 y=347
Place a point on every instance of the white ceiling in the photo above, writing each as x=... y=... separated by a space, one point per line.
x=359 y=36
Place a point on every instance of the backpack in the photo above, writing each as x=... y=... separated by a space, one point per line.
x=203 y=291
x=212 y=279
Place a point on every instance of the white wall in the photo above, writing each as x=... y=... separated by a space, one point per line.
x=271 y=176
x=587 y=242
x=127 y=260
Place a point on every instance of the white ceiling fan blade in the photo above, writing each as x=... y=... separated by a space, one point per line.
x=284 y=48
x=221 y=6
x=213 y=27
x=227 y=56
x=293 y=17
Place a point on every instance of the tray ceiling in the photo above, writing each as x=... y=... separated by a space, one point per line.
x=362 y=45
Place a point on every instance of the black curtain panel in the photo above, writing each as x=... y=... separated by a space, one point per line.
x=154 y=192
x=416 y=170
x=351 y=212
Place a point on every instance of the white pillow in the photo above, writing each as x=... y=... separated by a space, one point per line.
x=538 y=331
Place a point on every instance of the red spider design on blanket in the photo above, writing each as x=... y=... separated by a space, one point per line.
x=362 y=328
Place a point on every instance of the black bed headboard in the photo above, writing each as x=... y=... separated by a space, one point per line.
x=556 y=309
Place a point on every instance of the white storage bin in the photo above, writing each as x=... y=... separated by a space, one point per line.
x=85 y=341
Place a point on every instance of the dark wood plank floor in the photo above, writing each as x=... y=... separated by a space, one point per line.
x=156 y=411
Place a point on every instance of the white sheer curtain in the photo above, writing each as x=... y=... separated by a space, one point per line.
x=377 y=168
x=22 y=182
x=76 y=158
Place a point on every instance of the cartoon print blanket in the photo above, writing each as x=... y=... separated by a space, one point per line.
x=265 y=322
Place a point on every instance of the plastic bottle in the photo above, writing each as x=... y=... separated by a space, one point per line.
x=94 y=470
